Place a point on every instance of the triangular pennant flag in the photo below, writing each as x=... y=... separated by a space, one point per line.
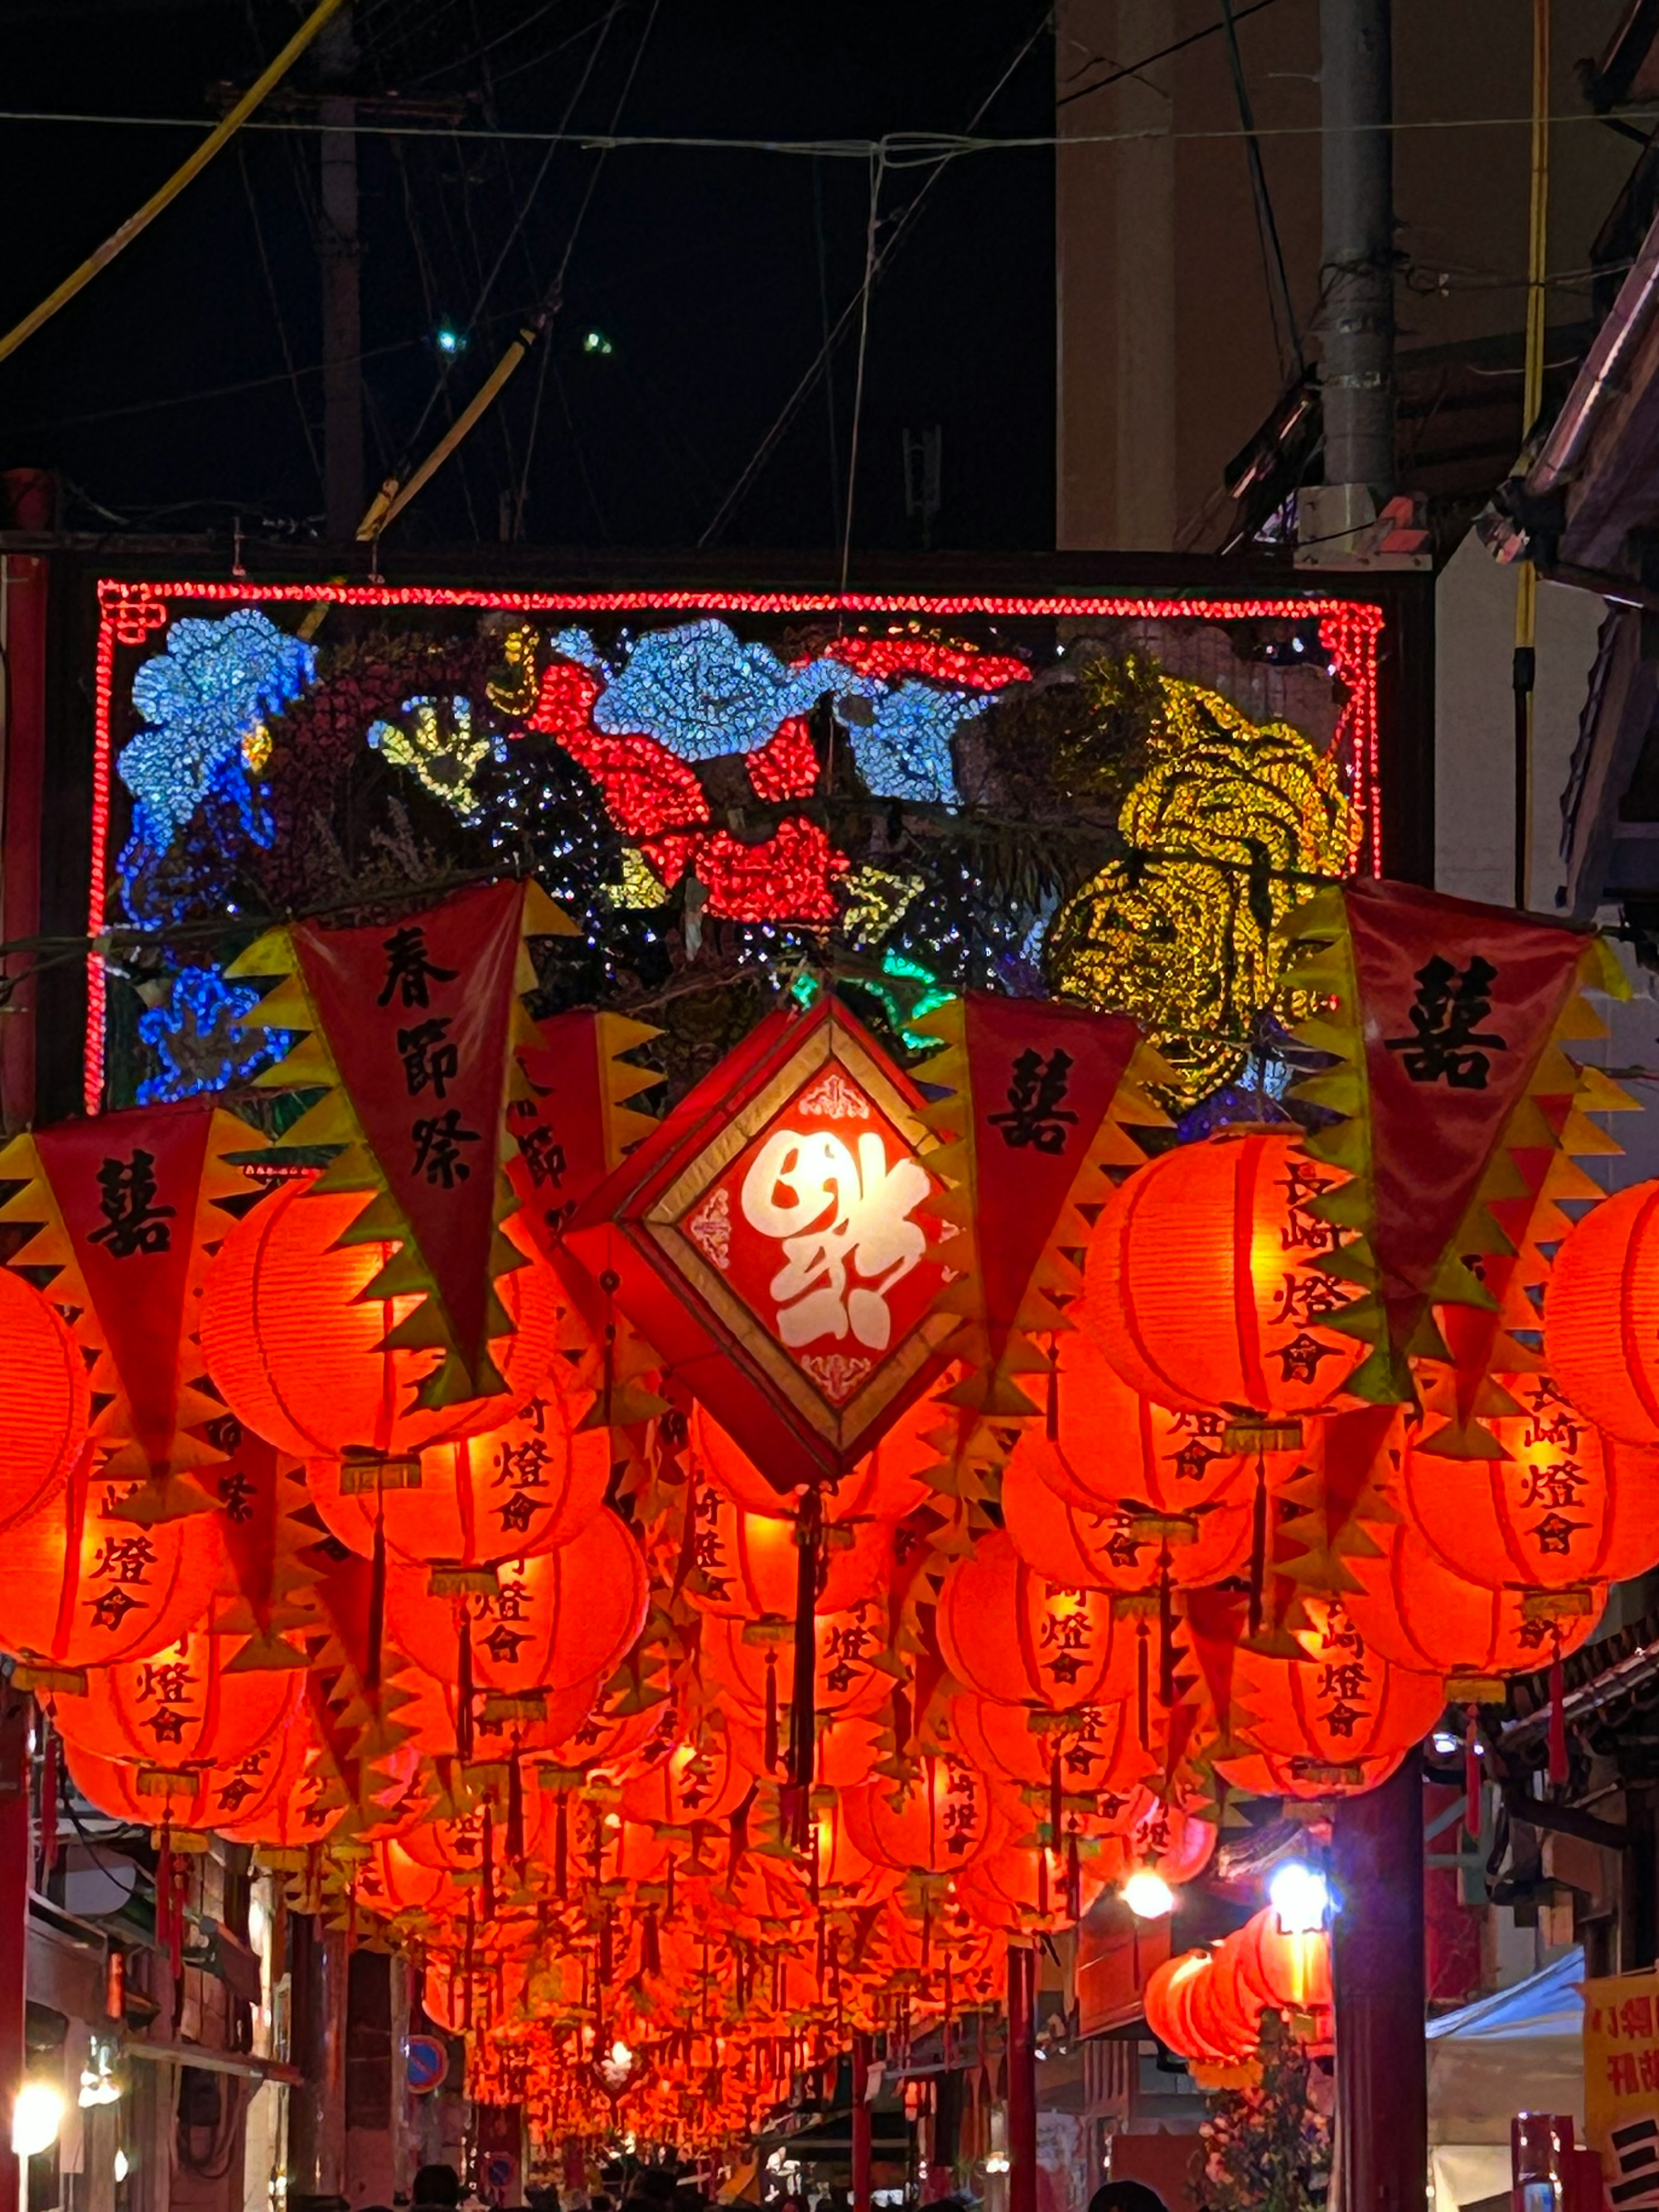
x=1040 y=1101
x=1441 y=1016
x=127 y=1209
x=411 y=1031
x=572 y=1122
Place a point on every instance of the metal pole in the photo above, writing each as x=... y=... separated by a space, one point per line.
x=319 y=1966
x=1022 y=2079
x=16 y=1852
x=1356 y=319
x=1382 y=2155
x=343 y=390
x=860 y=2124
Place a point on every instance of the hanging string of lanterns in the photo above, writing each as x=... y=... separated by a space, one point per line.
x=831 y=1533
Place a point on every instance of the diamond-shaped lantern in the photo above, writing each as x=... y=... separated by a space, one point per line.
x=773 y=1240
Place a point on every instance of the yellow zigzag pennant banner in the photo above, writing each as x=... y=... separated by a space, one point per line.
x=412 y=1031
x=129 y=1208
x=1042 y=1099
x=1445 y=1023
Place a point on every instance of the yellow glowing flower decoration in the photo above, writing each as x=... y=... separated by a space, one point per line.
x=440 y=744
x=1225 y=828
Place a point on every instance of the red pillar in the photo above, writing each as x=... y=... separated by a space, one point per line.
x=1022 y=2079
x=1382 y=2086
x=15 y=1846
x=860 y=2124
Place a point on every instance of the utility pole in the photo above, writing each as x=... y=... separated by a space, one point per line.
x=343 y=385
x=1356 y=317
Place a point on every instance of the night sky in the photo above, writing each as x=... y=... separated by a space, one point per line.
x=707 y=273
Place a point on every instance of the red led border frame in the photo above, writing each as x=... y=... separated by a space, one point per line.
x=128 y=613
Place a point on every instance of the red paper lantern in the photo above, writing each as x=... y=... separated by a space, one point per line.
x=1565 y=1507
x=937 y=1821
x=180 y=1707
x=515 y=1490
x=885 y=1484
x=85 y=1589
x=394 y=1880
x=1027 y=1889
x=1602 y=1315
x=433 y=1708
x=1172 y=1993
x=757 y=1674
x=1342 y=1717
x=1007 y=1633
x=701 y=1780
x=748 y=1563
x=1289 y=1969
x=1096 y=1752
x=557 y=1620
x=237 y=1798
x=1117 y=1547
x=45 y=1404
x=845 y=1872
x=299 y=1352
x=461 y=1842
x=1412 y=1609
x=1202 y=1288
x=1100 y=1445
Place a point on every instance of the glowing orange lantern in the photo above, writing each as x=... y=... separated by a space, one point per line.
x=88 y=1589
x=1201 y=1286
x=45 y=1404
x=1564 y=1508
x=1341 y=1717
x=697 y=1781
x=394 y=1880
x=939 y=1822
x=301 y=1356
x=1024 y=1889
x=180 y=1708
x=885 y=1484
x=554 y=1621
x=1122 y=1546
x=1169 y=2001
x=516 y=1491
x=1412 y=1609
x=1602 y=1315
x=757 y=1674
x=748 y=1563
x=1095 y=1751
x=842 y=1870
x=1102 y=1444
x=236 y=1798
x=1290 y=1970
x=1008 y=1633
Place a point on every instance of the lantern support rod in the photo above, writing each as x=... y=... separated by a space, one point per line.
x=1022 y=2079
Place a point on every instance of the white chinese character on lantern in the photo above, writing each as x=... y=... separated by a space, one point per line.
x=841 y=1212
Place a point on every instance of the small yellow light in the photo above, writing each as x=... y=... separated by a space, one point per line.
x=37 y=2113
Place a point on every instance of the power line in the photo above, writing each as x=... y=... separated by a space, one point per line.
x=901 y=149
x=1134 y=68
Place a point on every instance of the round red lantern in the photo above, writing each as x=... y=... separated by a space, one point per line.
x=1103 y=1445
x=757 y=1674
x=394 y=1880
x=1287 y=1969
x=1564 y=1507
x=1412 y=1609
x=182 y=1707
x=1201 y=1284
x=1123 y=1547
x=1010 y=1634
x=515 y=1490
x=748 y=1563
x=236 y=1798
x=1342 y=1717
x=846 y=1873
x=1602 y=1315
x=300 y=1353
x=1024 y=1890
x=554 y=1620
x=1170 y=2002
x=702 y=1779
x=940 y=1820
x=1095 y=1751
x=86 y=1588
x=885 y=1484
x=45 y=1403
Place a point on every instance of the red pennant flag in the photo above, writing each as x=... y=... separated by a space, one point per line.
x=418 y=1016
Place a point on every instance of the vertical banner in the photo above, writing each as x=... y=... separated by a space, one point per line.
x=1621 y=2085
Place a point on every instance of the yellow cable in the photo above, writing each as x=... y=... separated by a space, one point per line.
x=393 y=497
x=175 y=184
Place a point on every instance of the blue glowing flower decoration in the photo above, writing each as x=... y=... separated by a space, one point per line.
x=702 y=691
x=199 y=1035
x=201 y=697
x=904 y=753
